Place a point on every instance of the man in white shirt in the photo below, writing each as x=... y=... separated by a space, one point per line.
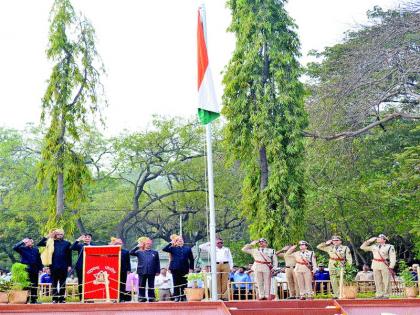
x=224 y=263
x=165 y=285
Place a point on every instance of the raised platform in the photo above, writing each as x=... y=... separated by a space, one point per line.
x=289 y=307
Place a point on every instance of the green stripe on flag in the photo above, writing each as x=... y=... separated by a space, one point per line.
x=206 y=116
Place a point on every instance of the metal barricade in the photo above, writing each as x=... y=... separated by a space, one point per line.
x=322 y=287
x=44 y=289
x=242 y=291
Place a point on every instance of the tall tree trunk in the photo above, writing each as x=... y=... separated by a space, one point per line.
x=60 y=172
x=80 y=225
x=263 y=168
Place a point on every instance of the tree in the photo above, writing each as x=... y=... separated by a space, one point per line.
x=162 y=170
x=368 y=80
x=72 y=92
x=19 y=199
x=360 y=187
x=263 y=103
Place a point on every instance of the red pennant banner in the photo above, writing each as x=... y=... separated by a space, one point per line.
x=101 y=271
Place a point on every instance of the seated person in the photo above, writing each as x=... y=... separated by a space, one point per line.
x=239 y=290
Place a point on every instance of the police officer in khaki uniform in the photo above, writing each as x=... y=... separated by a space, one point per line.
x=383 y=262
x=305 y=268
x=265 y=259
x=339 y=256
x=290 y=262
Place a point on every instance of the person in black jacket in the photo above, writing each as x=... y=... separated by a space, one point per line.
x=125 y=267
x=29 y=255
x=61 y=263
x=78 y=245
x=147 y=268
x=182 y=262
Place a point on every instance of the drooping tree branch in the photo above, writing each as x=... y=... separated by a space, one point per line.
x=350 y=134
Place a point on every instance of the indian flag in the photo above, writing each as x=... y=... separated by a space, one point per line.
x=208 y=109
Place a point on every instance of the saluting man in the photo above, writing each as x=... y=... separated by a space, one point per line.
x=339 y=256
x=57 y=255
x=290 y=262
x=148 y=266
x=84 y=240
x=265 y=259
x=305 y=268
x=31 y=258
x=383 y=263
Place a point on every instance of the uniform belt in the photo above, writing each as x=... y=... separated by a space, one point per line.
x=164 y=289
x=222 y=262
x=337 y=259
x=302 y=263
x=263 y=262
x=290 y=267
x=380 y=260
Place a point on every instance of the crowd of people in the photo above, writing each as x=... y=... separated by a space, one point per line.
x=299 y=271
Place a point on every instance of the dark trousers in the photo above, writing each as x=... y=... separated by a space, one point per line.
x=150 y=279
x=180 y=283
x=58 y=275
x=124 y=295
x=33 y=278
x=79 y=273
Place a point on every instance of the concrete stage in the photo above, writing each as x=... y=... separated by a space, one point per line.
x=289 y=307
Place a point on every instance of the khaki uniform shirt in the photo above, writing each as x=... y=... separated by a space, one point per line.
x=261 y=254
x=387 y=251
x=289 y=259
x=307 y=257
x=338 y=254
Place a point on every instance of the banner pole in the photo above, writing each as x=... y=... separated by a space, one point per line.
x=212 y=214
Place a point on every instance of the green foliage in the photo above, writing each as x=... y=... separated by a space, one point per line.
x=405 y=274
x=263 y=103
x=20 y=276
x=70 y=96
x=194 y=278
x=349 y=275
x=5 y=285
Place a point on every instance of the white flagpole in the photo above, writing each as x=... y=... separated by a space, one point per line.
x=212 y=215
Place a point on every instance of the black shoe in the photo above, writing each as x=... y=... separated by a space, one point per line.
x=141 y=300
x=291 y=298
x=176 y=299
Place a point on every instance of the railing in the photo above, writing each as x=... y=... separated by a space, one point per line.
x=45 y=289
x=242 y=291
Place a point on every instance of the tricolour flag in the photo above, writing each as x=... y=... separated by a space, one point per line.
x=208 y=109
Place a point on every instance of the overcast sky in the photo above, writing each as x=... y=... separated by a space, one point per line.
x=149 y=51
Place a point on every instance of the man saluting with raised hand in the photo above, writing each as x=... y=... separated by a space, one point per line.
x=57 y=255
x=339 y=256
x=84 y=240
x=383 y=263
x=30 y=256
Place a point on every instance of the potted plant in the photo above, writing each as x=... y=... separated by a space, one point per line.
x=407 y=278
x=195 y=293
x=349 y=290
x=5 y=286
x=19 y=281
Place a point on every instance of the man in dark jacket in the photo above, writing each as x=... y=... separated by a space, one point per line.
x=78 y=245
x=125 y=267
x=148 y=267
x=60 y=265
x=29 y=255
x=182 y=262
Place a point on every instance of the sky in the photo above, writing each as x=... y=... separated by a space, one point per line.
x=149 y=52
